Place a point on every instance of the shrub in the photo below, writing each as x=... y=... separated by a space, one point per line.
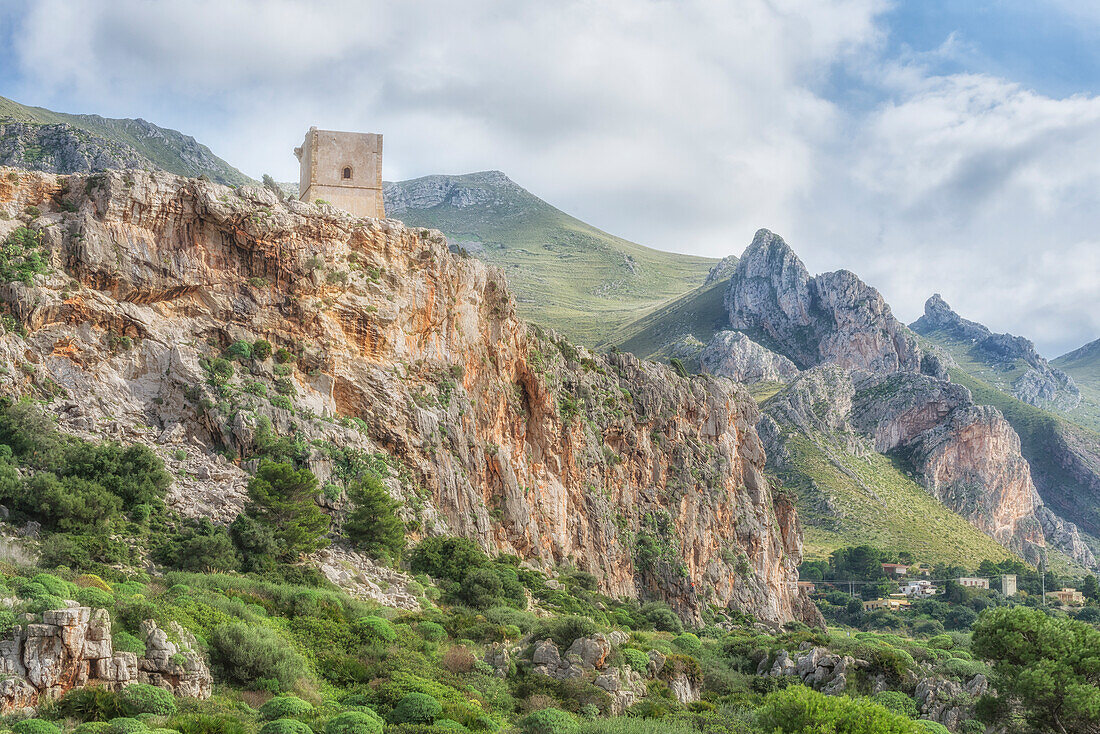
x=431 y=631
x=285 y=726
x=92 y=703
x=688 y=642
x=375 y=629
x=239 y=351
x=248 y=654
x=126 y=725
x=798 y=709
x=636 y=659
x=445 y=557
x=142 y=698
x=363 y=721
x=548 y=721
x=92 y=727
x=282 y=356
x=285 y=707
x=897 y=702
x=261 y=349
x=125 y=642
x=34 y=726
x=662 y=617
x=416 y=708
x=90 y=580
x=207 y=724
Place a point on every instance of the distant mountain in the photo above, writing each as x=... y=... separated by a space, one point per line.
x=1010 y=363
x=42 y=140
x=1083 y=365
x=567 y=275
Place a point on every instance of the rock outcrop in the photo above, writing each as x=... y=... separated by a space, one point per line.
x=62 y=148
x=732 y=354
x=1041 y=384
x=965 y=455
x=834 y=317
x=587 y=658
x=73 y=647
x=401 y=349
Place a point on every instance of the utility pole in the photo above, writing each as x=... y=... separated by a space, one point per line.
x=1043 y=575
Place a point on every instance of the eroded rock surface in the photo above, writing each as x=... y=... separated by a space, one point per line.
x=732 y=354
x=72 y=647
x=833 y=317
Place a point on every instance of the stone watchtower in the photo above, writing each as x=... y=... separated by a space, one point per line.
x=344 y=169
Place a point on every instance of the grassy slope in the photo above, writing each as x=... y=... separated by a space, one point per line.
x=699 y=313
x=889 y=510
x=1083 y=365
x=567 y=275
x=164 y=149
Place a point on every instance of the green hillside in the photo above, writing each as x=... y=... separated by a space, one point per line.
x=167 y=149
x=1083 y=365
x=567 y=275
x=846 y=500
x=696 y=315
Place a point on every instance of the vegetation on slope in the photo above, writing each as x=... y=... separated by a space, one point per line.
x=167 y=149
x=691 y=321
x=1083 y=365
x=567 y=275
x=846 y=500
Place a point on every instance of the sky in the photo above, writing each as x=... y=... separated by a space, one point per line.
x=928 y=146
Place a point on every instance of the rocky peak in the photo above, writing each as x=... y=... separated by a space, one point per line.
x=834 y=317
x=1040 y=385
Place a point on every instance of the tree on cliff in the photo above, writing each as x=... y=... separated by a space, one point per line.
x=1045 y=668
x=374 y=525
x=282 y=498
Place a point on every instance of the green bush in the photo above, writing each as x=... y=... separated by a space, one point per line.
x=142 y=698
x=636 y=659
x=126 y=725
x=34 y=726
x=92 y=727
x=93 y=703
x=563 y=630
x=261 y=349
x=285 y=707
x=207 y=724
x=285 y=726
x=431 y=631
x=897 y=702
x=689 y=642
x=123 y=641
x=801 y=710
x=416 y=708
x=239 y=351
x=95 y=598
x=247 y=654
x=548 y=721
x=375 y=629
x=363 y=721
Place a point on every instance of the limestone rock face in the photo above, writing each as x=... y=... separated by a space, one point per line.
x=732 y=354
x=1041 y=384
x=422 y=348
x=723 y=270
x=61 y=148
x=586 y=657
x=72 y=647
x=948 y=702
x=834 y=317
x=966 y=455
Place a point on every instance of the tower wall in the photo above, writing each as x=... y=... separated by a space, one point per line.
x=324 y=156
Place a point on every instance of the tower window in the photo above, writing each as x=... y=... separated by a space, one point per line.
x=347 y=172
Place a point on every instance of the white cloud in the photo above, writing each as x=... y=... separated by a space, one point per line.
x=683 y=125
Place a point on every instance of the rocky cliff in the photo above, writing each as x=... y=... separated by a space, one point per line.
x=62 y=148
x=1040 y=384
x=390 y=347
x=834 y=317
